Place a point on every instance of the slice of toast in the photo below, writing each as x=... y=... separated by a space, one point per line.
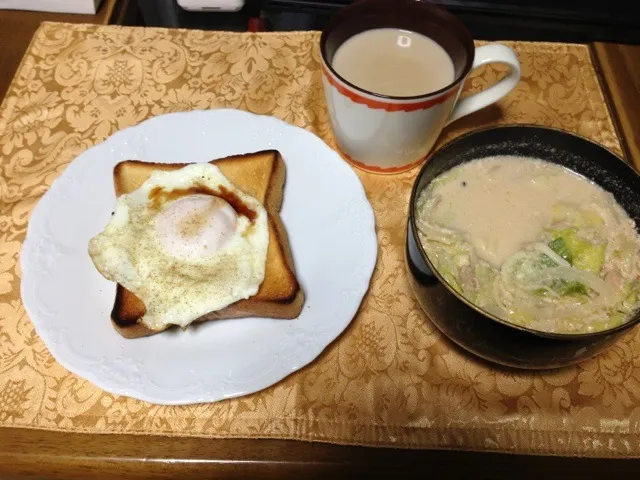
x=260 y=175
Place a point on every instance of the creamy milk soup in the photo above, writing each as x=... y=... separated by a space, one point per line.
x=532 y=243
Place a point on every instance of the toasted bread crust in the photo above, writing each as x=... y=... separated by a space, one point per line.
x=261 y=175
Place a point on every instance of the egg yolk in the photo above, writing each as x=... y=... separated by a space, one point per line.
x=195 y=226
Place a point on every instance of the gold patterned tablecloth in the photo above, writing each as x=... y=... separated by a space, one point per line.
x=390 y=379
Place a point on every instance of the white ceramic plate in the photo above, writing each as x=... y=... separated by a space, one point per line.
x=331 y=231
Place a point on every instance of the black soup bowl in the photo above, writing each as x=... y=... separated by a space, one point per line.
x=466 y=324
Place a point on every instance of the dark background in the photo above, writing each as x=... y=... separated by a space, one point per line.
x=539 y=20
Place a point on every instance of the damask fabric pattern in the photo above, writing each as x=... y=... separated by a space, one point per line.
x=391 y=379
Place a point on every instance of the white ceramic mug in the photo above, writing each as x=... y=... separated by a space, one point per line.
x=385 y=134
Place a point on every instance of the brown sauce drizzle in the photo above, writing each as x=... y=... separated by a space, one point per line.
x=159 y=196
x=236 y=203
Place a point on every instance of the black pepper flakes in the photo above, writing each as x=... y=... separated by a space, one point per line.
x=464 y=184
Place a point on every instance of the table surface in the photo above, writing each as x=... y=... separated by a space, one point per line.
x=18 y=26
x=35 y=453
x=619 y=70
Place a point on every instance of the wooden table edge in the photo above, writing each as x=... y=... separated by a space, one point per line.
x=28 y=453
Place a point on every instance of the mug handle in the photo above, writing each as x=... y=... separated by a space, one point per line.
x=489 y=54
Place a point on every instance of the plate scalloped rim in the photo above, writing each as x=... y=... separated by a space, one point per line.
x=331 y=229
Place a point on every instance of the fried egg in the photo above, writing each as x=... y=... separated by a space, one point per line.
x=187 y=242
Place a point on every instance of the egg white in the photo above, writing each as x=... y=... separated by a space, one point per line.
x=178 y=285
